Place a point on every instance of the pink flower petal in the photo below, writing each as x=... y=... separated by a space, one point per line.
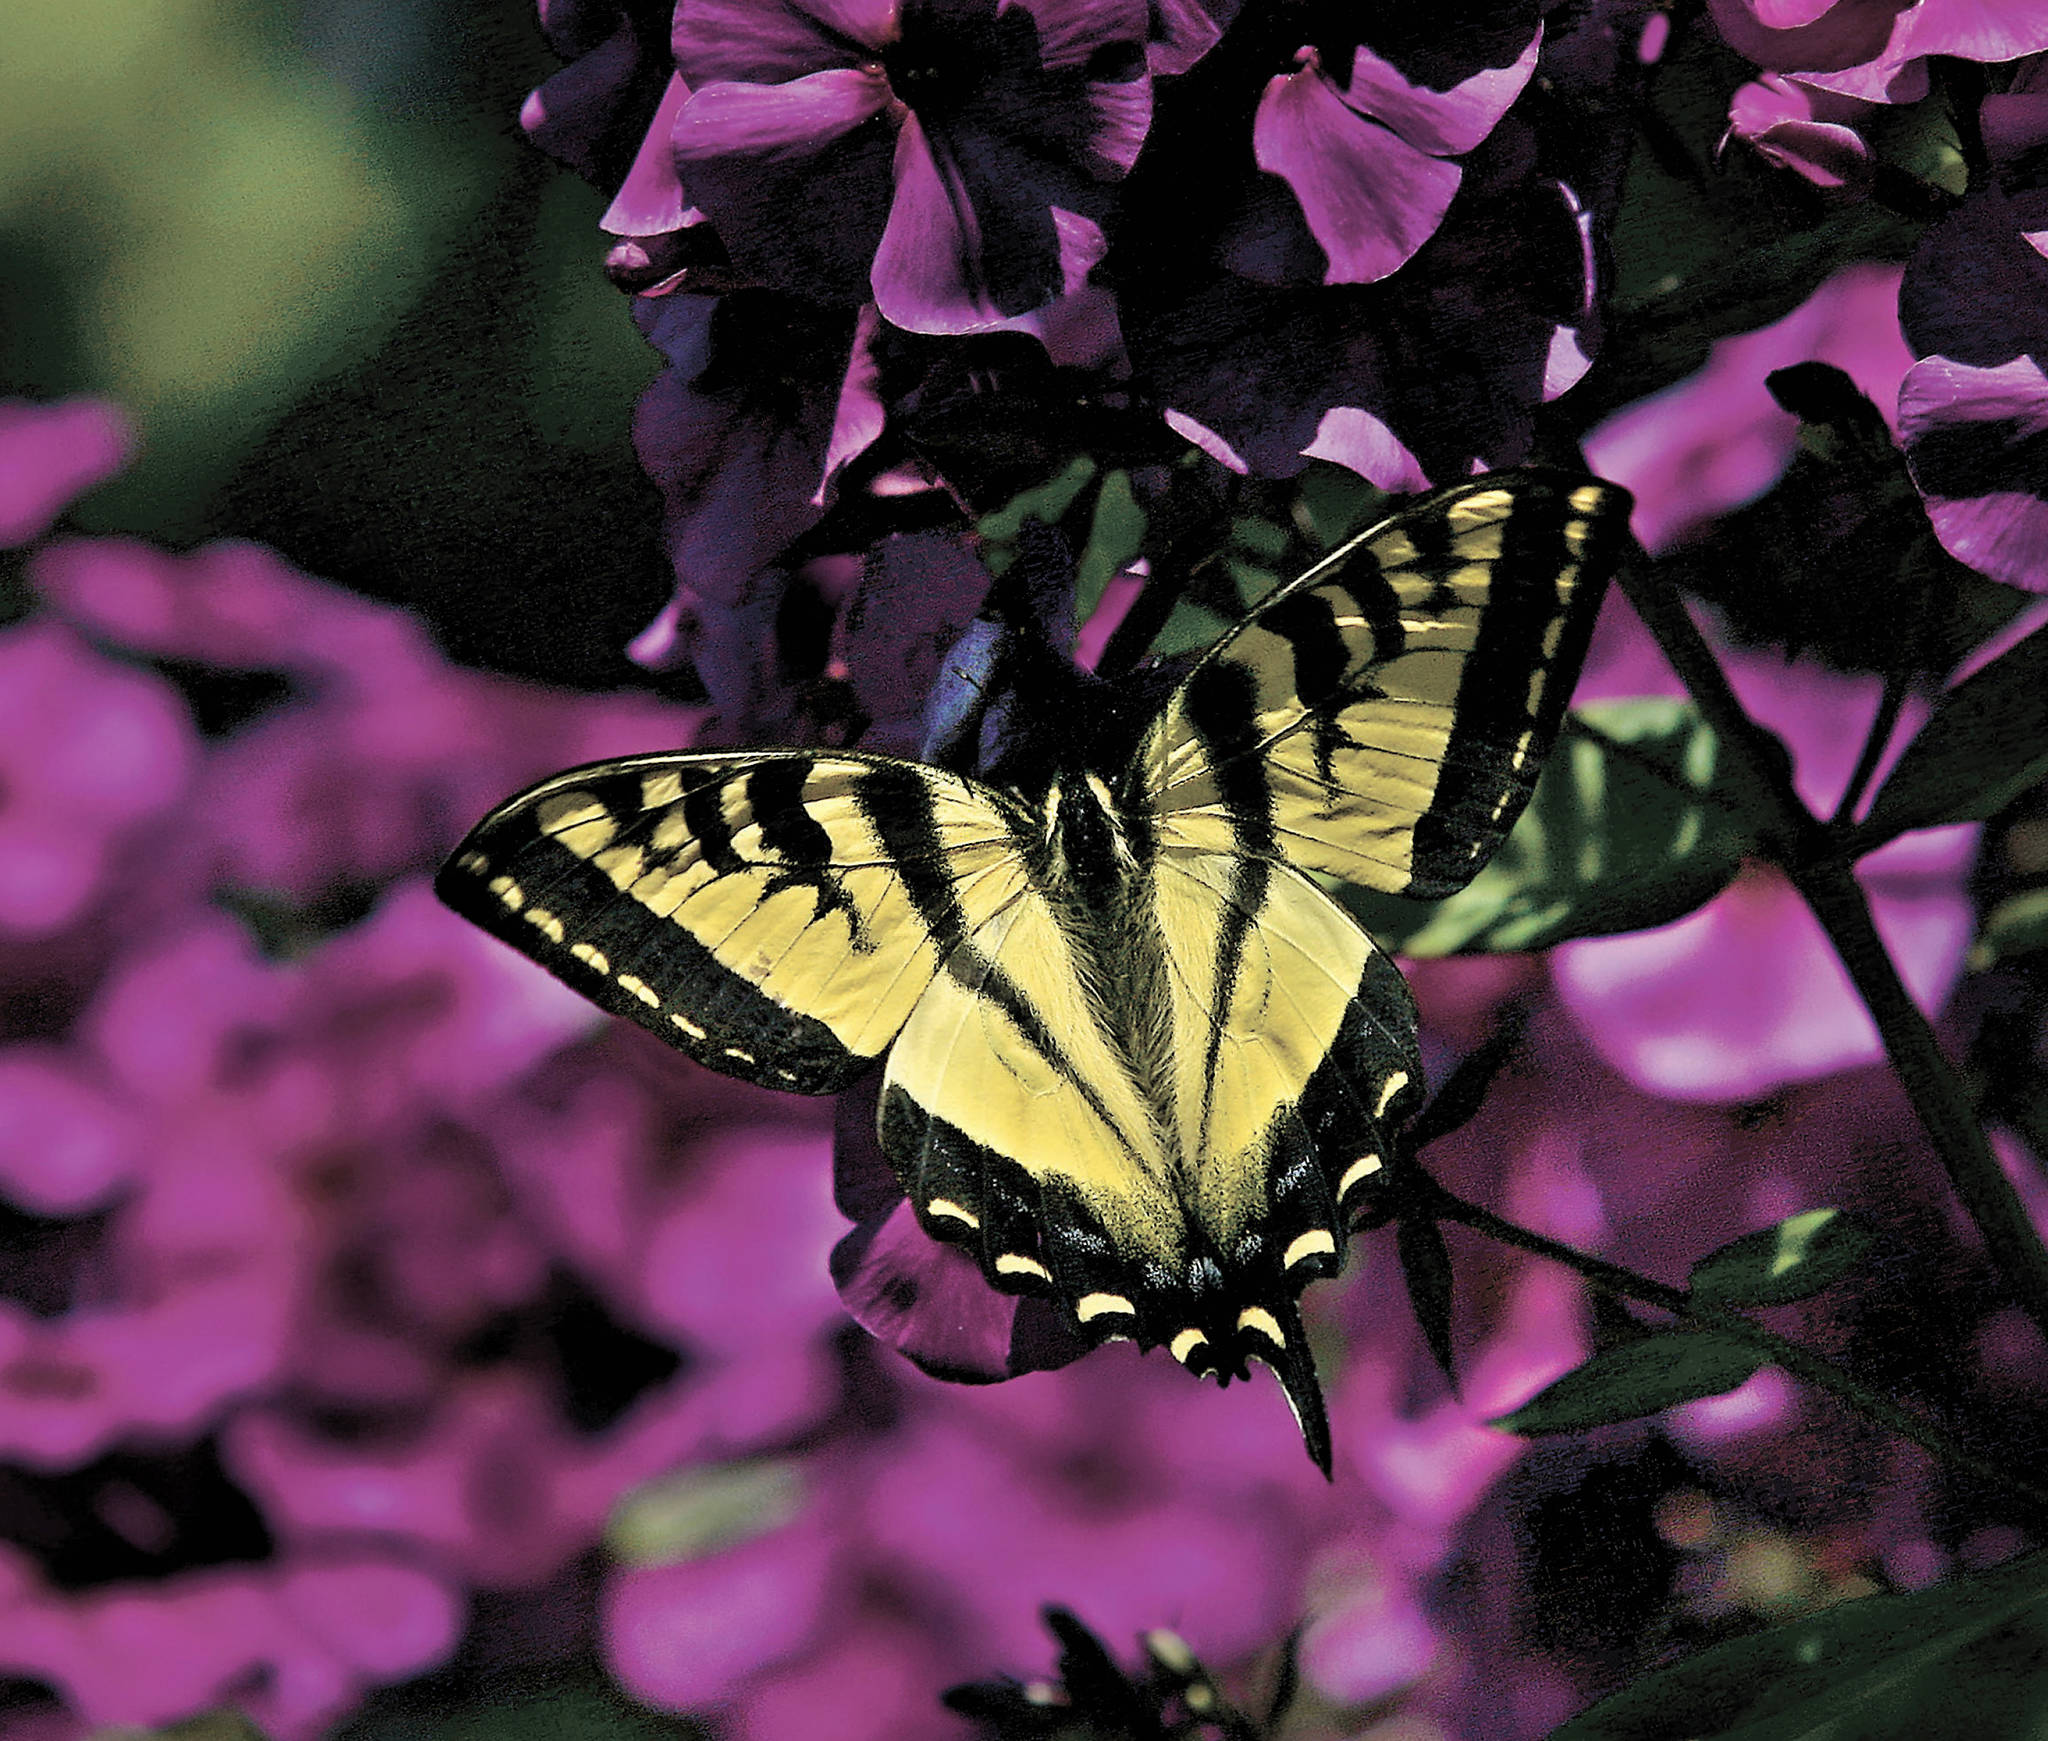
x=1718 y=439
x=689 y=1637
x=651 y=201
x=1443 y=123
x=1371 y=199
x=50 y=454
x=747 y=42
x=796 y=119
x=1348 y=436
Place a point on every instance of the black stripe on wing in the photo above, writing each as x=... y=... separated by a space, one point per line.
x=703 y=898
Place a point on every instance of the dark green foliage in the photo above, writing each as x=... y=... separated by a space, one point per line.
x=1777 y=1265
x=1965 y=1658
x=1638 y=1378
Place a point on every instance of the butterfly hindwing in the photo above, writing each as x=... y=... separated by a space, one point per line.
x=775 y=915
x=1382 y=719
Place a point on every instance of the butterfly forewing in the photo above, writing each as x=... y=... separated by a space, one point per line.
x=1382 y=719
x=775 y=915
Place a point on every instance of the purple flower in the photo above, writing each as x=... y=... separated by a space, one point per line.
x=295 y=1644
x=692 y=1635
x=50 y=454
x=1368 y=150
x=1423 y=376
x=1718 y=439
x=90 y=753
x=377 y=762
x=955 y=154
x=1876 y=49
x=1411 y=250
x=1974 y=306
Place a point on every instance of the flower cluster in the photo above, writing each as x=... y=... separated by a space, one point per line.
x=905 y=245
x=1972 y=407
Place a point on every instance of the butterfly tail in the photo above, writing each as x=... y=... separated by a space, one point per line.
x=1295 y=1367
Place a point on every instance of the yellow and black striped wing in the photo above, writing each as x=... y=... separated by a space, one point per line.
x=1382 y=719
x=776 y=915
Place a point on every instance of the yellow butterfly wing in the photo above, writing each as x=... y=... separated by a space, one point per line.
x=1382 y=719
x=776 y=915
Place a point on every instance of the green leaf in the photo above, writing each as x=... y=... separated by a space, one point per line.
x=2018 y=925
x=1636 y=821
x=1777 y=1265
x=1986 y=744
x=1047 y=503
x=1636 y=1379
x=1965 y=1657
x=1116 y=535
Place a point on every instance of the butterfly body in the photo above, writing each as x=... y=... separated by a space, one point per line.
x=1136 y=1059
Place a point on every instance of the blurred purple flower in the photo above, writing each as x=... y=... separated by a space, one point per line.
x=90 y=751
x=50 y=454
x=374 y=765
x=691 y=1635
x=1974 y=305
x=296 y=1645
x=1367 y=149
x=1746 y=994
x=955 y=153
x=1718 y=439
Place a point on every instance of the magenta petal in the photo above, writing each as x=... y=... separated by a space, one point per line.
x=1718 y=439
x=748 y=43
x=1783 y=121
x=66 y=1147
x=858 y=417
x=795 y=119
x=1788 y=14
x=651 y=201
x=1443 y=123
x=1845 y=35
x=1828 y=156
x=50 y=454
x=1747 y=995
x=1202 y=436
x=929 y=270
x=1184 y=31
x=928 y=1301
x=689 y=1636
x=1370 y=198
x=1980 y=30
x=1072 y=32
x=1348 y=436
x=1974 y=438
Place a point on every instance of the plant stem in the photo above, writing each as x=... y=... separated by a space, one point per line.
x=1803 y=1363
x=1810 y=855
x=1881 y=728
